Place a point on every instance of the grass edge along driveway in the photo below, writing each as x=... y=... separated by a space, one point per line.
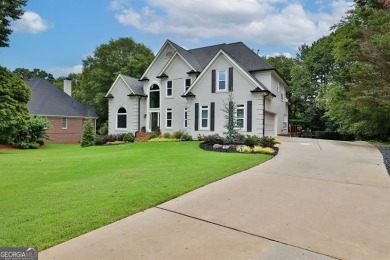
x=51 y=195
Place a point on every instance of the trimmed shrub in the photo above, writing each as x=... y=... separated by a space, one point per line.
x=277 y=141
x=252 y=140
x=200 y=137
x=241 y=138
x=263 y=150
x=266 y=142
x=213 y=139
x=186 y=137
x=101 y=139
x=177 y=135
x=152 y=136
x=167 y=135
x=128 y=138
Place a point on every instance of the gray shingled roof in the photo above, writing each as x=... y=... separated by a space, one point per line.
x=199 y=58
x=134 y=84
x=49 y=100
x=248 y=60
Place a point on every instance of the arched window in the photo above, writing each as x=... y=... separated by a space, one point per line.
x=154 y=96
x=121 y=121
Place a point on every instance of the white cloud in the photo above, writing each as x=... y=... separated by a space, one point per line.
x=30 y=22
x=267 y=22
x=61 y=71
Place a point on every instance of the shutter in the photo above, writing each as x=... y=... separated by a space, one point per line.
x=213 y=72
x=249 y=116
x=196 y=116
x=212 y=116
x=230 y=79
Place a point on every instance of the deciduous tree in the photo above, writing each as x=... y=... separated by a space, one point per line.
x=10 y=10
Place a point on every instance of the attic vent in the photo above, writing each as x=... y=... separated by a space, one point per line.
x=169 y=54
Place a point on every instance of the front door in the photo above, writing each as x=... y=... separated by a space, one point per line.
x=154 y=121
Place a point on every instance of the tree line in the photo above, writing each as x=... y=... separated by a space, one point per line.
x=342 y=81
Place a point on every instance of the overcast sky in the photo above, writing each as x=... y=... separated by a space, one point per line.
x=56 y=35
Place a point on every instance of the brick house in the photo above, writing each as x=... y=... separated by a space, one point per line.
x=66 y=115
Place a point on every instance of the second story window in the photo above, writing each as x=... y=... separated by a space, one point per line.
x=169 y=88
x=221 y=80
x=154 y=97
x=187 y=84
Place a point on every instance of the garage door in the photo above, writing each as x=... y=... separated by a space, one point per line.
x=269 y=124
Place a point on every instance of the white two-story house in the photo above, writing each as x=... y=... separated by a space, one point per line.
x=186 y=90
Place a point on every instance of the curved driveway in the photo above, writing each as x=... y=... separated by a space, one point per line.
x=317 y=199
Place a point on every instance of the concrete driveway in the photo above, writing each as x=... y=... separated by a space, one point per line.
x=317 y=199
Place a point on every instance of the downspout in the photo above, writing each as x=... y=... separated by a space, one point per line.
x=139 y=113
x=264 y=112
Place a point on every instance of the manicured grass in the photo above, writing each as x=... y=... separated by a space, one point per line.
x=51 y=195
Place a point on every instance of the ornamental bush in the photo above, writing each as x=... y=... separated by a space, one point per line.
x=88 y=138
x=266 y=142
x=32 y=133
x=128 y=138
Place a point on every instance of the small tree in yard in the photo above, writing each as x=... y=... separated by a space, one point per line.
x=231 y=134
x=88 y=138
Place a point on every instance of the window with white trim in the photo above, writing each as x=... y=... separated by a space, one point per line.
x=64 y=123
x=204 y=117
x=154 y=96
x=121 y=122
x=169 y=118
x=169 y=88
x=185 y=117
x=222 y=80
x=187 y=84
x=282 y=96
x=240 y=116
x=278 y=87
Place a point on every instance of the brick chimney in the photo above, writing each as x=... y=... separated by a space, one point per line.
x=68 y=86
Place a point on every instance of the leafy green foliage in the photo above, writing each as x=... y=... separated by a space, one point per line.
x=14 y=96
x=26 y=74
x=88 y=138
x=32 y=133
x=10 y=10
x=128 y=138
x=213 y=139
x=100 y=70
x=360 y=100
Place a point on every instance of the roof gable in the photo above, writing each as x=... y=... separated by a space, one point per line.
x=48 y=100
x=133 y=84
x=235 y=64
x=171 y=61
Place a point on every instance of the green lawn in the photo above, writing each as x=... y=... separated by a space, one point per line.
x=51 y=195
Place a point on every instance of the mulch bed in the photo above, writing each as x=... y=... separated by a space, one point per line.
x=6 y=147
x=231 y=148
x=386 y=156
